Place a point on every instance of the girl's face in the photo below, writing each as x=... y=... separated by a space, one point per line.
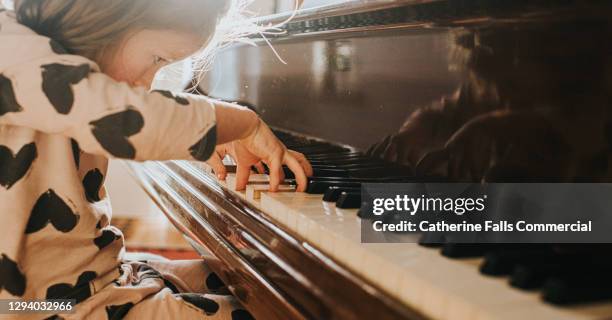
x=145 y=52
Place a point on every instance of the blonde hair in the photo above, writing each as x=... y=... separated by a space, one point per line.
x=96 y=28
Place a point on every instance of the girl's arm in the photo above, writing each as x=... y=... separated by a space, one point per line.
x=64 y=95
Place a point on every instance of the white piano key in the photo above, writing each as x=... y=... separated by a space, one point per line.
x=254 y=179
x=253 y=192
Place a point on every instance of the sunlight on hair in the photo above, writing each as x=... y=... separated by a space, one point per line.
x=8 y=4
x=236 y=26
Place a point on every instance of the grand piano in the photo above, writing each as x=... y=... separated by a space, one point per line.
x=406 y=90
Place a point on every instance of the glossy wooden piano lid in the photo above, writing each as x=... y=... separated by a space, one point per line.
x=271 y=270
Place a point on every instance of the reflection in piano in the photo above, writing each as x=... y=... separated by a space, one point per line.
x=401 y=91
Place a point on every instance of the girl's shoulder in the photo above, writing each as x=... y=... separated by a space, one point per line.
x=20 y=44
x=9 y=24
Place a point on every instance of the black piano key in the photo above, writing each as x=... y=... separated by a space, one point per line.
x=349 y=200
x=538 y=270
x=333 y=193
x=532 y=276
x=317 y=148
x=380 y=172
x=498 y=263
x=353 y=171
x=319 y=187
x=318 y=172
x=365 y=211
x=465 y=250
x=432 y=239
x=230 y=168
x=334 y=155
x=354 y=162
x=583 y=288
x=503 y=261
x=366 y=172
x=331 y=180
x=354 y=167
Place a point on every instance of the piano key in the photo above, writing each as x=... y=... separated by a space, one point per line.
x=503 y=261
x=576 y=289
x=498 y=263
x=353 y=166
x=319 y=187
x=465 y=250
x=362 y=172
x=335 y=155
x=528 y=276
x=540 y=268
x=333 y=193
x=347 y=163
x=349 y=200
x=254 y=179
x=253 y=192
x=365 y=211
x=432 y=239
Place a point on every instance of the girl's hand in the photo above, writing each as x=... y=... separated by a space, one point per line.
x=216 y=160
x=261 y=146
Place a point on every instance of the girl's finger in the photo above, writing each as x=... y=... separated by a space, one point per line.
x=303 y=162
x=242 y=176
x=217 y=165
x=275 y=166
x=298 y=171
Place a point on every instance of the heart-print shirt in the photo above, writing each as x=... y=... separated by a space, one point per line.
x=60 y=121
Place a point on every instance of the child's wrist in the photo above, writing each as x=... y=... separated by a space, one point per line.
x=254 y=124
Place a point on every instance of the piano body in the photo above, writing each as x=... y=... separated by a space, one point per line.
x=354 y=73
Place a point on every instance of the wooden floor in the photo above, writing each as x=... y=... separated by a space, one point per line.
x=154 y=234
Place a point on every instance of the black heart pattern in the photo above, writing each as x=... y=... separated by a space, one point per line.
x=204 y=148
x=11 y=278
x=241 y=314
x=209 y=306
x=76 y=152
x=51 y=208
x=107 y=237
x=112 y=132
x=57 y=84
x=118 y=312
x=80 y=291
x=14 y=167
x=92 y=182
x=213 y=282
x=180 y=100
x=8 y=102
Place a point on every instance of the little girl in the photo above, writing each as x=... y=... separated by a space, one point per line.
x=74 y=79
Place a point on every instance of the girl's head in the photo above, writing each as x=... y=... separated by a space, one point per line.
x=130 y=39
